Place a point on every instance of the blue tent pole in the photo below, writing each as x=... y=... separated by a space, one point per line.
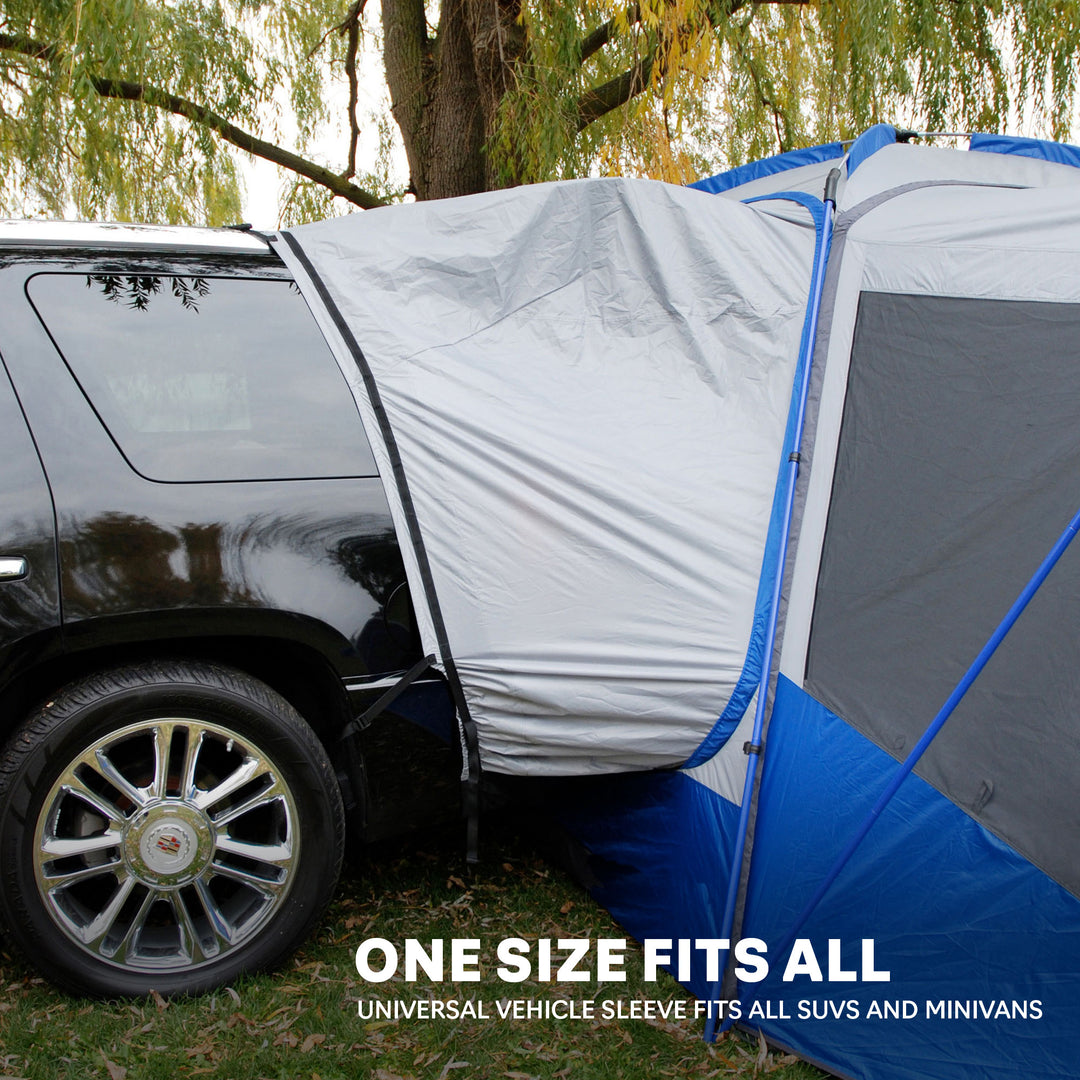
x=754 y=747
x=938 y=722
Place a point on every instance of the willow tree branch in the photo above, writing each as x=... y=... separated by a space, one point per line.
x=623 y=88
x=36 y=50
x=351 y=26
x=598 y=38
x=199 y=115
x=764 y=96
x=615 y=92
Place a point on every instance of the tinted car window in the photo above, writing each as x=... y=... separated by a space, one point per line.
x=203 y=378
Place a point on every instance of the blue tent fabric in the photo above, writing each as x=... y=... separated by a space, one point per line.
x=770 y=166
x=940 y=868
x=869 y=143
x=1040 y=149
x=658 y=844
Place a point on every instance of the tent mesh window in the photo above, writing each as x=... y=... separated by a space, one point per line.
x=958 y=466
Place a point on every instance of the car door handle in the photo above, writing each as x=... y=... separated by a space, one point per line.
x=12 y=568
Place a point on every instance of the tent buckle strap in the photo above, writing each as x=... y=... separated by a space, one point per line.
x=753 y=748
x=795 y=456
x=386 y=700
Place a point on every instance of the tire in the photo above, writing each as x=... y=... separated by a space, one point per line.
x=166 y=826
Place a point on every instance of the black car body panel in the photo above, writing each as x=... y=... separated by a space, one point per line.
x=301 y=573
x=29 y=603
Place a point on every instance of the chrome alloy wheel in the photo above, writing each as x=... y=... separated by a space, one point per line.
x=165 y=844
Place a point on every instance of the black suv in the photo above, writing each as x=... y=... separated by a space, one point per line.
x=201 y=595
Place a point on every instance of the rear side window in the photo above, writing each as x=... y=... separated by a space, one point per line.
x=206 y=378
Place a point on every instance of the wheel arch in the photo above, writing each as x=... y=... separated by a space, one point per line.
x=299 y=672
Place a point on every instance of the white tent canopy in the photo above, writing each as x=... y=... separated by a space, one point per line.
x=577 y=396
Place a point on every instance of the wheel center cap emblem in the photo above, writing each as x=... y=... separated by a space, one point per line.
x=168 y=847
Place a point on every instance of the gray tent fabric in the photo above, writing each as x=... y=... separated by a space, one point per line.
x=586 y=387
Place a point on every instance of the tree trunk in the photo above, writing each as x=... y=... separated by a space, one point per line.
x=445 y=92
x=498 y=47
x=456 y=166
x=409 y=77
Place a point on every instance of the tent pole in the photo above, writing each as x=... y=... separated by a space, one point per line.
x=754 y=747
x=938 y=722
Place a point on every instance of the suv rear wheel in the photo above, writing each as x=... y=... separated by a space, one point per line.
x=165 y=826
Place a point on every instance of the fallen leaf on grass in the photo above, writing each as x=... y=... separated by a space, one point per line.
x=762 y=1054
x=452 y=1065
x=240 y=1018
x=311 y=1042
x=116 y=1072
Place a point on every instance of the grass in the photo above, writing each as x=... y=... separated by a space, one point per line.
x=302 y=1022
